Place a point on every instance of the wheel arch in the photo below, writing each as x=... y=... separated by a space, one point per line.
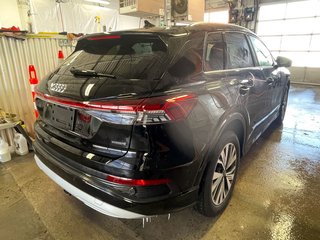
x=236 y=123
x=238 y=127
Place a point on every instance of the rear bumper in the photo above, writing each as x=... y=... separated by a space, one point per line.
x=87 y=199
x=104 y=199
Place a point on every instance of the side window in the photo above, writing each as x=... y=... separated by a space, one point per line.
x=142 y=48
x=189 y=61
x=214 y=49
x=263 y=55
x=238 y=52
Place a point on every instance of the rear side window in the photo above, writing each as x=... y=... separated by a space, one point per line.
x=188 y=60
x=214 y=52
x=263 y=54
x=125 y=56
x=238 y=52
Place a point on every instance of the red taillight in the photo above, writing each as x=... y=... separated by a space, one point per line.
x=104 y=37
x=137 y=182
x=173 y=108
x=148 y=111
x=120 y=106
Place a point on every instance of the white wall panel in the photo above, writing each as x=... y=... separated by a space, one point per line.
x=15 y=57
x=9 y=14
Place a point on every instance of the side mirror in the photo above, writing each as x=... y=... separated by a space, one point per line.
x=283 y=62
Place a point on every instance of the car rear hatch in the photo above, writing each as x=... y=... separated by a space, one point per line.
x=91 y=100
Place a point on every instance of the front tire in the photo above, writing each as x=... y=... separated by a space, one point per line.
x=220 y=176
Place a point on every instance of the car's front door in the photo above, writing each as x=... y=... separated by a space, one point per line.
x=270 y=74
x=248 y=84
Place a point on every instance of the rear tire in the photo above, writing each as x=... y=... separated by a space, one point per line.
x=220 y=176
x=283 y=106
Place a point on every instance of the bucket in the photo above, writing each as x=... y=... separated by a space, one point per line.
x=21 y=145
x=4 y=151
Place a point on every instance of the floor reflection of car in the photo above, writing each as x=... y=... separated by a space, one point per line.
x=145 y=122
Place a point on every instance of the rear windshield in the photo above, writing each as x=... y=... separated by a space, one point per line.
x=125 y=56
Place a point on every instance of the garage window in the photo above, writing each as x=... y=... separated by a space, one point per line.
x=221 y=16
x=292 y=29
x=263 y=55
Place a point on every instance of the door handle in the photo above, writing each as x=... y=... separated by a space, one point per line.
x=270 y=80
x=245 y=86
x=246 y=83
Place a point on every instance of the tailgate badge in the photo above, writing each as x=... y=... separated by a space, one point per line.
x=58 y=87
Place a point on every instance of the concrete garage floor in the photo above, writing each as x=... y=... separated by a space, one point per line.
x=277 y=195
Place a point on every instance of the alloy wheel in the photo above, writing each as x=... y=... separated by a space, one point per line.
x=224 y=173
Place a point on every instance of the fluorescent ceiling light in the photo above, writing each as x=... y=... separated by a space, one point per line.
x=182 y=24
x=98 y=1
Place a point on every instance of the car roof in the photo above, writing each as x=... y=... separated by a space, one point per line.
x=178 y=30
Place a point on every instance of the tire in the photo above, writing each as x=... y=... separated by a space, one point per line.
x=283 y=107
x=211 y=201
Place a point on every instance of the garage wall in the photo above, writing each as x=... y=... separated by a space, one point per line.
x=305 y=75
x=15 y=57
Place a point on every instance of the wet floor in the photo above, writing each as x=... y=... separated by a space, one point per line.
x=277 y=195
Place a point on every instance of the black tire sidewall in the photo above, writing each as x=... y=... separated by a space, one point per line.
x=281 y=115
x=284 y=102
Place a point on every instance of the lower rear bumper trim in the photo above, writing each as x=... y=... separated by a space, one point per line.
x=87 y=199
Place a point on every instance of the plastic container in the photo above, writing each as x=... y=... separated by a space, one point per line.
x=4 y=151
x=10 y=139
x=21 y=144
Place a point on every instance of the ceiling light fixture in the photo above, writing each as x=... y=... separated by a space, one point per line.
x=98 y=1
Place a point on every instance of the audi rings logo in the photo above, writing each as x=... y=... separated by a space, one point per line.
x=58 y=87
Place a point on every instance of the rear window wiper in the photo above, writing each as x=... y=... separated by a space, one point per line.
x=90 y=73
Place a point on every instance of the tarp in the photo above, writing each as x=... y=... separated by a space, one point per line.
x=77 y=17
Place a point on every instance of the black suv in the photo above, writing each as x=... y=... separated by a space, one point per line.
x=145 y=122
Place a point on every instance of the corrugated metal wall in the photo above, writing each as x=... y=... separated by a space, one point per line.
x=15 y=57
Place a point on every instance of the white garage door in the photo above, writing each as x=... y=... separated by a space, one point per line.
x=292 y=29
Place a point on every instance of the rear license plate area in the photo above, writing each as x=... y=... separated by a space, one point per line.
x=62 y=117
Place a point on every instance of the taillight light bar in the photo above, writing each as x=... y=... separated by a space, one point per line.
x=137 y=182
x=148 y=111
x=118 y=106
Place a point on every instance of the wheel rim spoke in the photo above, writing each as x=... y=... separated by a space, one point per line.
x=230 y=177
x=228 y=181
x=232 y=158
x=215 y=188
x=215 y=184
x=218 y=193
x=231 y=170
x=216 y=175
x=226 y=155
x=222 y=191
x=224 y=173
